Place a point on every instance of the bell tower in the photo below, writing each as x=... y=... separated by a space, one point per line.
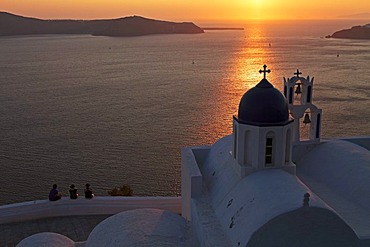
x=298 y=91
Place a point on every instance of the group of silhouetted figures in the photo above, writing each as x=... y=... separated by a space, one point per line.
x=54 y=194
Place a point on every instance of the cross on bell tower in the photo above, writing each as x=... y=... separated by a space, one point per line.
x=297 y=73
x=264 y=71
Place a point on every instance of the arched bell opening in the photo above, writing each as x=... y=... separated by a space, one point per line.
x=310 y=124
x=290 y=95
x=309 y=94
x=306 y=125
x=298 y=93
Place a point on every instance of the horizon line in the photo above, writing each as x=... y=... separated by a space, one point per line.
x=197 y=19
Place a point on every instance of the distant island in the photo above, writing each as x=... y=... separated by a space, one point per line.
x=363 y=15
x=11 y=24
x=356 y=32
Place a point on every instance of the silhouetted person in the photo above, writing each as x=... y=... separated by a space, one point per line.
x=73 y=192
x=54 y=194
x=88 y=192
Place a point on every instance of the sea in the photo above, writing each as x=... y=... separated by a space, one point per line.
x=111 y=111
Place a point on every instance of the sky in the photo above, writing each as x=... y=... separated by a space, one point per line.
x=187 y=10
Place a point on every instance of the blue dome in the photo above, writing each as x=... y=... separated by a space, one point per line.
x=263 y=105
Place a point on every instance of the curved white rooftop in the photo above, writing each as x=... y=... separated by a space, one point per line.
x=141 y=227
x=339 y=172
x=49 y=239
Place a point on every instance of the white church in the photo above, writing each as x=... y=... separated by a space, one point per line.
x=262 y=186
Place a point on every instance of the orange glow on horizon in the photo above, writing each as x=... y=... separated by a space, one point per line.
x=190 y=10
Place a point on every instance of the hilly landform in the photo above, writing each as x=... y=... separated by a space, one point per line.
x=356 y=32
x=363 y=15
x=11 y=24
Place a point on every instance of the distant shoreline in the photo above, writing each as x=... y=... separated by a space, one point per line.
x=222 y=28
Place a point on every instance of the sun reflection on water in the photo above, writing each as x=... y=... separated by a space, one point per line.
x=254 y=53
x=242 y=74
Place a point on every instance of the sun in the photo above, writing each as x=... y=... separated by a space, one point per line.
x=257 y=2
x=255 y=7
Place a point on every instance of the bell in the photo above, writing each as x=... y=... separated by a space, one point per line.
x=306 y=119
x=298 y=89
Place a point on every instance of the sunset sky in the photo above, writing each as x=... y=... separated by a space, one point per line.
x=187 y=10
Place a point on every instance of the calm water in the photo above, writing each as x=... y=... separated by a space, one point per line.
x=109 y=111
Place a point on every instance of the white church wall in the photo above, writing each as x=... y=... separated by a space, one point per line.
x=247 y=144
x=191 y=180
x=197 y=228
x=217 y=172
x=99 y=205
x=241 y=170
x=279 y=134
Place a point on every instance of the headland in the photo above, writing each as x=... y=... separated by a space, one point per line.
x=11 y=24
x=356 y=32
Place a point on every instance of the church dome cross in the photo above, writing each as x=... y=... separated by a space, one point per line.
x=264 y=71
